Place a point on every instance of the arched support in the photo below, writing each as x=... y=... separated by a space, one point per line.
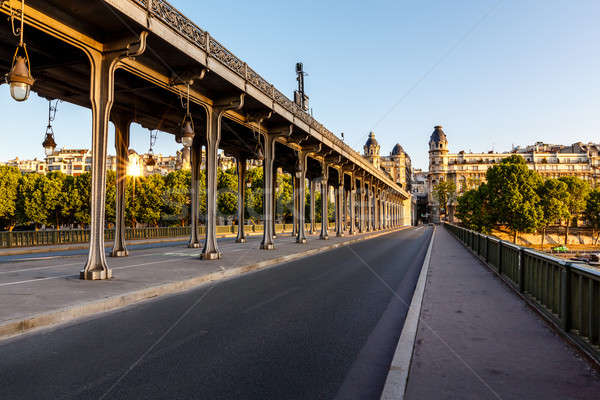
x=324 y=200
x=213 y=137
x=312 y=187
x=301 y=185
x=339 y=190
x=102 y=79
x=122 y=123
x=352 y=205
x=268 y=199
x=195 y=165
x=241 y=207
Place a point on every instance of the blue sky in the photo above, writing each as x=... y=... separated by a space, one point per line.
x=527 y=71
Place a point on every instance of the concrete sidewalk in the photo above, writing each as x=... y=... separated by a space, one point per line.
x=479 y=340
x=39 y=293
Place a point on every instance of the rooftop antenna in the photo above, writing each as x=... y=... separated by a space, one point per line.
x=300 y=98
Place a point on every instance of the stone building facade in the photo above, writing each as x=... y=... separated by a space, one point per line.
x=468 y=170
x=397 y=164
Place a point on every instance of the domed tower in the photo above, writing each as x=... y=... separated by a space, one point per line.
x=400 y=166
x=438 y=166
x=372 y=150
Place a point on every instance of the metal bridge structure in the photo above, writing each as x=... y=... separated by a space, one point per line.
x=139 y=61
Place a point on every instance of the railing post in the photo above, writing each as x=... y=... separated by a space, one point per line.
x=521 y=270
x=565 y=297
x=500 y=257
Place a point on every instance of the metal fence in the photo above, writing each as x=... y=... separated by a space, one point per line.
x=74 y=236
x=566 y=293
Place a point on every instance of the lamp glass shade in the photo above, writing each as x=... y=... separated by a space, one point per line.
x=187 y=141
x=187 y=134
x=19 y=91
x=19 y=79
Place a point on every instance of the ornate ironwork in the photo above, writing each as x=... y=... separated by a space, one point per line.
x=168 y=14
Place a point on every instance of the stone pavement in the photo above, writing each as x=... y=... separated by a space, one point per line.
x=42 y=292
x=478 y=340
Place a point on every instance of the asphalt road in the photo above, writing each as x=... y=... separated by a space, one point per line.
x=318 y=328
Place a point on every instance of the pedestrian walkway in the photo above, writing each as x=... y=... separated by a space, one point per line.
x=478 y=340
x=42 y=292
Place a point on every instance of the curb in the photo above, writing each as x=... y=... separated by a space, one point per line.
x=12 y=328
x=397 y=378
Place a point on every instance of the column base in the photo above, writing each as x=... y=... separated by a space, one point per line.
x=240 y=240
x=95 y=275
x=194 y=245
x=119 y=253
x=274 y=236
x=268 y=246
x=303 y=240
x=211 y=256
x=324 y=237
x=340 y=234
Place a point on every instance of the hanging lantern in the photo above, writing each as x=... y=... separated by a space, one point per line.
x=49 y=144
x=150 y=163
x=186 y=135
x=187 y=131
x=19 y=77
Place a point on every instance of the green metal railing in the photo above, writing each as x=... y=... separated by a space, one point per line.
x=566 y=293
x=74 y=236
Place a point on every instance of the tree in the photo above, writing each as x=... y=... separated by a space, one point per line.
x=284 y=196
x=473 y=209
x=76 y=199
x=592 y=213
x=443 y=192
x=512 y=193
x=227 y=192
x=254 y=194
x=149 y=199
x=9 y=186
x=577 y=190
x=54 y=196
x=38 y=199
x=177 y=198
x=553 y=201
x=110 y=212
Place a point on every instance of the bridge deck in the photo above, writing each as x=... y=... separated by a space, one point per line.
x=51 y=287
x=478 y=340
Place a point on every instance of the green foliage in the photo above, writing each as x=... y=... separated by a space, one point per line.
x=513 y=197
x=227 y=192
x=110 y=198
x=9 y=186
x=473 y=209
x=578 y=190
x=592 y=212
x=254 y=194
x=76 y=199
x=150 y=199
x=176 y=197
x=514 y=159
x=444 y=192
x=39 y=198
x=283 y=197
x=553 y=201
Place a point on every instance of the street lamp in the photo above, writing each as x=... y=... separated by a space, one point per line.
x=186 y=136
x=151 y=162
x=49 y=143
x=19 y=77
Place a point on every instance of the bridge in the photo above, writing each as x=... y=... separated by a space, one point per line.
x=139 y=61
